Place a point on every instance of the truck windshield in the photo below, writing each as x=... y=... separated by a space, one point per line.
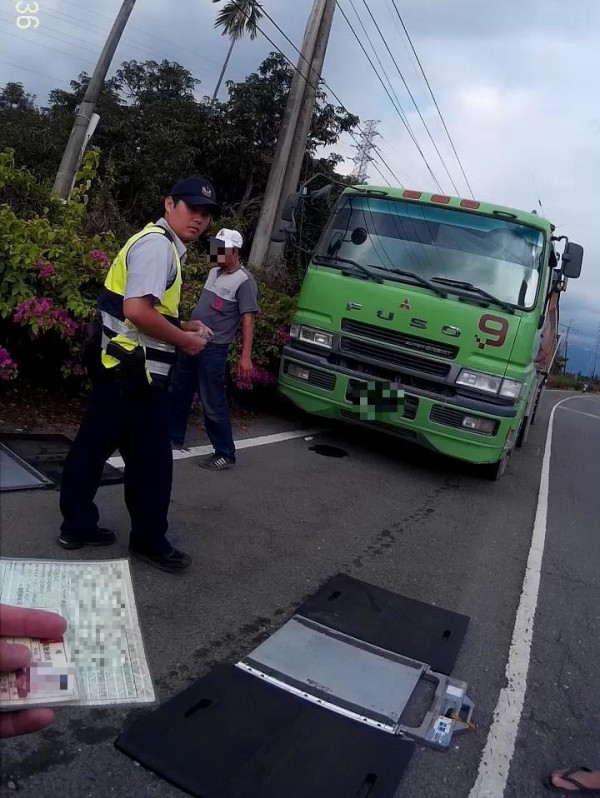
x=501 y=257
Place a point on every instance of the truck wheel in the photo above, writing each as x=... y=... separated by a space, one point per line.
x=537 y=402
x=495 y=471
x=523 y=431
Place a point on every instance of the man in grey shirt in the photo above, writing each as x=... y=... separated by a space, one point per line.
x=228 y=301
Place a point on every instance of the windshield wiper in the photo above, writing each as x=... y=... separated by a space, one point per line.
x=417 y=277
x=476 y=289
x=335 y=259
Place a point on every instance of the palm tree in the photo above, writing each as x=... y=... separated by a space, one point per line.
x=236 y=18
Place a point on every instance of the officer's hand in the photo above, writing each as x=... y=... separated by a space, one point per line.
x=196 y=326
x=195 y=343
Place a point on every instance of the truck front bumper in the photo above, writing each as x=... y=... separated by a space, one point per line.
x=429 y=419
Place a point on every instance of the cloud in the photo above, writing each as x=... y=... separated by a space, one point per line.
x=515 y=80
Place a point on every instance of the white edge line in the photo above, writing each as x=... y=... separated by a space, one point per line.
x=245 y=443
x=497 y=755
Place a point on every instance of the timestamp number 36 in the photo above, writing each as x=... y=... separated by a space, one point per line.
x=26 y=11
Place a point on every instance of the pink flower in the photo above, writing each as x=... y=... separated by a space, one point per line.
x=8 y=367
x=100 y=256
x=46 y=315
x=44 y=269
x=258 y=376
x=284 y=334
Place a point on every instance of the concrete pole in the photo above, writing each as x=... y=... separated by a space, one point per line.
x=268 y=211
x=72 y=154
x=298 y=151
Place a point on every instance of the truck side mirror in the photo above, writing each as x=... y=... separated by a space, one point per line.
x=290 y=207
x=322 y=193
x=572 y=259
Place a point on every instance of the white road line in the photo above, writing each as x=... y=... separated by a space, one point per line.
x=581 y=413
x=499 y=749
x=245 y=443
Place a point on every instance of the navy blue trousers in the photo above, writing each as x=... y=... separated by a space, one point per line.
x=132 y=416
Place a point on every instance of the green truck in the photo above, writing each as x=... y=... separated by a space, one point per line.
x=429 y=317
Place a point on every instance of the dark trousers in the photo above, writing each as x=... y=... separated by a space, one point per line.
x=205 y=373
x=132 y=416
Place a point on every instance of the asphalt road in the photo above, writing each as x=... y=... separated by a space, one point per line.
x=271 y=532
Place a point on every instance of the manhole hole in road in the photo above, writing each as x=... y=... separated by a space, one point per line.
x=328 y=451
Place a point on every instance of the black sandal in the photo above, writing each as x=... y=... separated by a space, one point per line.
x=568 y=776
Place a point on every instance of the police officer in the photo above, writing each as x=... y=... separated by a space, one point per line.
x=141 y=331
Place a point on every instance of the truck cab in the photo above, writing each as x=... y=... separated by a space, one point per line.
x=431 y=318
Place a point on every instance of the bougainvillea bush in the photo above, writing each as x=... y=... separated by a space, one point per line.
x=51 y=274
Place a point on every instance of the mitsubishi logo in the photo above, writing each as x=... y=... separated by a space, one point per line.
x=405 y=305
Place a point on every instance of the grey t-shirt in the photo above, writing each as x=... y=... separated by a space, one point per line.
x=224 y=298
x=151 y=264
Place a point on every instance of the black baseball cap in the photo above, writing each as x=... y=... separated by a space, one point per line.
x=196 y=192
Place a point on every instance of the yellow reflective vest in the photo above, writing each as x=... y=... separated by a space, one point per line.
x=122 y=342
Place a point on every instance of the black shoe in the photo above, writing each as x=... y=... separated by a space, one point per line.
x=173 y=562
x=216 y=462
x=98 y=537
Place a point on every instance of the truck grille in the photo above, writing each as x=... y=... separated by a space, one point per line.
x=316 y=377
x=399 y=339
x=364 y=349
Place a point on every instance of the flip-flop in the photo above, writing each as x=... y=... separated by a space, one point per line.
x=568 y=776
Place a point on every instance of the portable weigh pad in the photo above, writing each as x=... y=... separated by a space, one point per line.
x=16 y=474
x=231 y=735
x=390 y=621
x=314 y=710
x=45 y=454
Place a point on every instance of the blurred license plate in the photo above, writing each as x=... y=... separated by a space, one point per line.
x=377 y=397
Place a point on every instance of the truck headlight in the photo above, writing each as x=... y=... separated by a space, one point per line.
x=311 y=335
x=480 y=381
x=490 y=383
x=511 y=389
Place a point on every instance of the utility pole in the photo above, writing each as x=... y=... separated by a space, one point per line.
x=364 y=149
x=298 y=148
x=596 y=354
x=291 y=116
x=73 y=151
x=566 y=354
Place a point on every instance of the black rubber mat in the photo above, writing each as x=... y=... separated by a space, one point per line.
x=232 y=735
x=47 y=453
x=393 y=622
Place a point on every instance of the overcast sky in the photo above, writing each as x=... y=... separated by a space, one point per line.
x=517 y=83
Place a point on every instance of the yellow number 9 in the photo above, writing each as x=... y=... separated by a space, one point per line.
x=28 y=21
x=28 y=9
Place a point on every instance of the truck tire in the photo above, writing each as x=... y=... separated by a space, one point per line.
x=495 y=471
x=524 y=430
x=537 y=402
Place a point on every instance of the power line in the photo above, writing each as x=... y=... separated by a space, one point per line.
x=376 y=54
x=47 y=47
x=410 y=94
x=33 y=71
x=433 y=98
x=279 y=50
x=397 y=109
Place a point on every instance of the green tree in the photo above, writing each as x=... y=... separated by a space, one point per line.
x=236 y=19
x=14 y=97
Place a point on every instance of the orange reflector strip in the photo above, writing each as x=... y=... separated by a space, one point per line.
x=412 y=194
x=469 y=204
x=440 y=198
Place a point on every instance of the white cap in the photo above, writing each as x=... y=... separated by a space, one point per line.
x=228 y=238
